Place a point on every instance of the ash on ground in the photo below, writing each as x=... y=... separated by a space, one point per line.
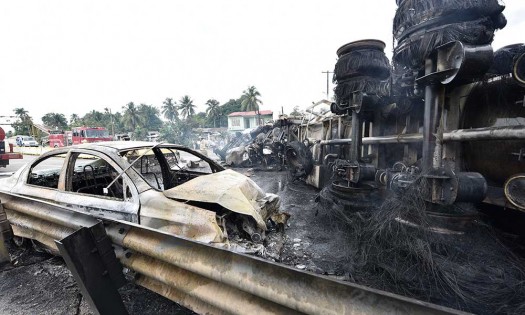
x=39 y=283
x=397 y=248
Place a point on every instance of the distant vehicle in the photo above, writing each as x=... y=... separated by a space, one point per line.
x=26 y=141
x=6 y=150
x=122 y=137
x=79 y=135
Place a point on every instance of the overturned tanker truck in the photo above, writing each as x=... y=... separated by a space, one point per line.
x=449 y=112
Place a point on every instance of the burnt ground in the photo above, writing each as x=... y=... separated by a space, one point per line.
x=314 y=241
x=481 y=270
x=309 y=244
x=39 y=283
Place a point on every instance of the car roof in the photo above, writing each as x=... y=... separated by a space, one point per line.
x=124 y=145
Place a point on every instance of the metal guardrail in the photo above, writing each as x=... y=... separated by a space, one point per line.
x=208 y=279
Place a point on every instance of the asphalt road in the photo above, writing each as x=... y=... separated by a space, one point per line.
x=14 y=165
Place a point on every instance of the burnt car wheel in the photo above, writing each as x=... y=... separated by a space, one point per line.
x=298 y=159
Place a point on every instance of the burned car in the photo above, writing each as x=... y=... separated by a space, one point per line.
x=164 y=186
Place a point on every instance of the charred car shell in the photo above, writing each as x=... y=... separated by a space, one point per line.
x=149 y=184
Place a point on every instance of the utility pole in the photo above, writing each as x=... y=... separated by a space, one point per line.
x=327 y=84
x=112 y=124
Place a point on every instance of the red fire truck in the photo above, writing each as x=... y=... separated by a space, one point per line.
x=6 y=151
x=79 y=135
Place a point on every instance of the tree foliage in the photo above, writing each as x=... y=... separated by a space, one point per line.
x=250 y=99
x=149 y=117
x=23 y=123
x=169 y=109
x=55 y=121
x=213 y=111
x=131 y=117
x=187 y=107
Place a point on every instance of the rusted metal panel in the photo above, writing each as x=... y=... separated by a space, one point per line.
x=206 y=290
x=299 y=291
x=179 y=218
x=214 y=280
x=4 y=230
x=231 y=190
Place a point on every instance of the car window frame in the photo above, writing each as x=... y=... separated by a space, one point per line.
x=60 y=185
x=134 y=198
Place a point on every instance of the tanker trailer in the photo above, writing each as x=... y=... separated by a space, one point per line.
x=450 y=112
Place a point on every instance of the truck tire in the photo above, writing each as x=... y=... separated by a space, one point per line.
x=298 y=159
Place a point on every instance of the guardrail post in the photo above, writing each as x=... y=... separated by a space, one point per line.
x=5 y=233
x=89 y=255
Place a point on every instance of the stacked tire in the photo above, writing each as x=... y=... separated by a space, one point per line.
x=420 y=26
x=510 y=59
x=362 y=66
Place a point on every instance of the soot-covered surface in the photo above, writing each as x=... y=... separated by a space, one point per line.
x=474 y=271
x=38 y=283
x=396 y=248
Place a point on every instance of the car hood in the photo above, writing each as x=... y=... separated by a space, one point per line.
x=230 y=190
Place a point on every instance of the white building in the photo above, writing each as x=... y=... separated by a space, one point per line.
x=239 y=121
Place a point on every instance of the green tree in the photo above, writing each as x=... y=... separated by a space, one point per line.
x=187 y=107
x=227 y=108
x=23 y=123
x=75 y=120
x=199 y=120
x=131 y=117
x=150 y=117
x=178 y=132
x=296 y=112
x=169 y=109
x=93 y=119
x=213 y=111
x=250 y=101
x=55 y=120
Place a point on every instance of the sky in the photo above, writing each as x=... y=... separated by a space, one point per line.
x=77 y=56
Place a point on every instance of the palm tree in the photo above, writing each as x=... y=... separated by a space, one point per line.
x=169 y=109
x=21 y=112
x=131 y=118
x=74 y=119
x=250 y=101
x=150 y=117
x=55 y=120
x=24 y=125
x=213 y=111
x=187 y=107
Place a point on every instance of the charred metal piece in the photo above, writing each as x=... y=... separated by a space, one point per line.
x=5 y=234
x=298 y=159
x=457 y=62
x=515 y=190
x=447 y=187
x=356 y=172
x=89 y=255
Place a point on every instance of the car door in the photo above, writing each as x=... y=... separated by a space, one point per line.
x=42 y=179
x=86 y=176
